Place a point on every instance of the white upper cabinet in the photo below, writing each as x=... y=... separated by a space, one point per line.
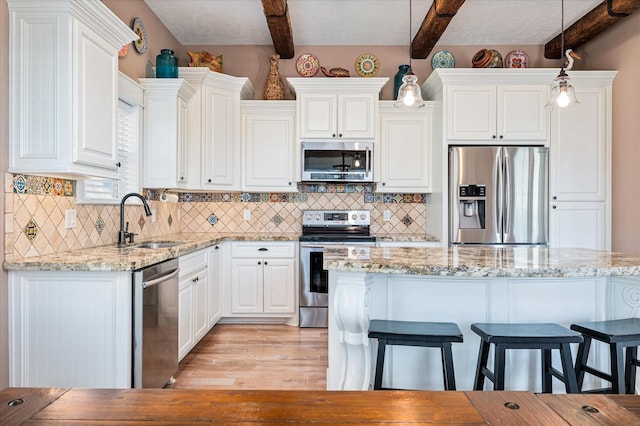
x=215 y=126
x=166 y=144
x=64 y=87
x=498 y=113
x=269 y=146
x=405 y=148
x=337 y=108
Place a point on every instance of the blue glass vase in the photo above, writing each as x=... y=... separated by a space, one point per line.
x=166 y=64
x=397 y=80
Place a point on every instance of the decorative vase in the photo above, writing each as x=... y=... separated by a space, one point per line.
x=166 y=64
x=274 y=88
x=487 y=58
x=397 y=80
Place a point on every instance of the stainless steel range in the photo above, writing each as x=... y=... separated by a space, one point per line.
x=320 y=229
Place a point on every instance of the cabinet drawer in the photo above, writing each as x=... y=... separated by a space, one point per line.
x=263 y=250
x=193 y=262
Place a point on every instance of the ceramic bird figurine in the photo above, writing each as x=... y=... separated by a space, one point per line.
x=571 y=56
x=335 y=72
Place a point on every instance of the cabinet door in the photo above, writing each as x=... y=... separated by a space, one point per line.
x=269 y=152
x=183 y=139
x=200 y=295
x=521 y=113
x=246 y=286
x=96 y=85
x=279 y=286
x=405 y=153
x=471 y=112
x=580 y=224
x=221 y=153
x=186 y=338
x=213 y=295
x=318 y=115
x=578 y=160
x=357 y=115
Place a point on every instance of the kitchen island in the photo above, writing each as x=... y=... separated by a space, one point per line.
x=464 y=285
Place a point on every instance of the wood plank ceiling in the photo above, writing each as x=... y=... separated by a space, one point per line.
x=442 y=12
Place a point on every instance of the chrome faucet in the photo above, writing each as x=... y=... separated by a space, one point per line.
x=124 y=233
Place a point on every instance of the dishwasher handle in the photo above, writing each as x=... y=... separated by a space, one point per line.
x=158 y=280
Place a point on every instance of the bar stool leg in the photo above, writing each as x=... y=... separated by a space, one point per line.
x=447 y=366
x=377 y=382
x=570 y=382
x=499 y=367
x=547 y=378
x=617 y=369
x=630 y=369
x=581 y=360
x=483 y=356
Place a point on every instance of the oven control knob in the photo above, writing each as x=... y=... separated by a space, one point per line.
x=309 y=216
x=317 y=217
x=363 y=216
x=354 y=216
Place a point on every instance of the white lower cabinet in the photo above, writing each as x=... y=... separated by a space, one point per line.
x=70 y=329
x=262 y=279
x=193 y=321
x=579 y=225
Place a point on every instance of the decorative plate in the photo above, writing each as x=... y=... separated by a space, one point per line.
x=307 y=65
x=516 y=59
x=141 y=43
x=367 y=65
x=443 y=59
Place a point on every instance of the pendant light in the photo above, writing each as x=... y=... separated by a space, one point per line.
x=409 y=93
x=562 y=93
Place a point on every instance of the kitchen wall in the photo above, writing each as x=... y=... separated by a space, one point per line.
x=618 y=49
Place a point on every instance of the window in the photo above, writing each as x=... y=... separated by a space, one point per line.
x=128 y=136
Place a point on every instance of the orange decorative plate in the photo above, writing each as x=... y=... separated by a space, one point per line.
x=307 y=65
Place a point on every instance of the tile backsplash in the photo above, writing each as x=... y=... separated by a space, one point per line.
x=35 y=213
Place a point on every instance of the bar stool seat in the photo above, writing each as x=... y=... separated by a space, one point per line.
x=543 y=336
x=412 y=333
x=619 y=335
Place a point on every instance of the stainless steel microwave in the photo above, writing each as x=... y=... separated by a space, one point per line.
x=337 y=161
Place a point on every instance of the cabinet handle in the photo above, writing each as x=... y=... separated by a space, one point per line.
x=118 y=164
x=263 y=249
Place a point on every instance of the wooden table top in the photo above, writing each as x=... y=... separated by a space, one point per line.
x=31 y=406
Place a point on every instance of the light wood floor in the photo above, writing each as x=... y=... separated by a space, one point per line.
x=235 y=356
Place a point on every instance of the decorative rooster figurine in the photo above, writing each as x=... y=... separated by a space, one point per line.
x=571 y=56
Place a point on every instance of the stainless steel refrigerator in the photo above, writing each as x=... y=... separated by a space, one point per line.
x=498 y=195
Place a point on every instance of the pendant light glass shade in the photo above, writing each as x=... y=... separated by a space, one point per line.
x=409 y=93
x=562 y=93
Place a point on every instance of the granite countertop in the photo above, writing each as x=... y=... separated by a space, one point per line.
x=113 y=258
x=483 y=261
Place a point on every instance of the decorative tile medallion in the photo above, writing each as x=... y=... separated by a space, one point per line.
x=99 y=224
x=407 y=220
x=170 y=220
x=212 y=219
x=31 y=230
x=141 y=222
x=277 y=219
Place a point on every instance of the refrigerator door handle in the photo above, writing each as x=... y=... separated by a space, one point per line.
x=499 y=203
x=506 y=160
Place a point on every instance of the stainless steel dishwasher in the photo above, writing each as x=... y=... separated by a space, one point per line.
x=155 y=324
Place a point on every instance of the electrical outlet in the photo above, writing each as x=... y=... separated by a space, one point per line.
x=70 y=218
x=153 y=216
x=247 y=215
x=386 y=215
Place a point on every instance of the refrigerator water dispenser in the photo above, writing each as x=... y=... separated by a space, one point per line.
x=471 y=209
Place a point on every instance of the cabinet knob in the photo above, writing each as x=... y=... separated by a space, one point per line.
x=555 y=197
x=118 y=164
x=216 y=247
x=263 y=249
x=265 y=262
x=493 y=136
x=553 y=207
x=333 y=135
x=209 y=180
x=384 y=183
x=339 y=135
x=259 y=263
x=181 y=177
x=501 y=136
x=289 y=183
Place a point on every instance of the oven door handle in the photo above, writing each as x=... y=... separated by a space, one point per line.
x=161 y=279
x=311 y=246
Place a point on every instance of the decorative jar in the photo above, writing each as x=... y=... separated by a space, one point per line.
x=166 y=64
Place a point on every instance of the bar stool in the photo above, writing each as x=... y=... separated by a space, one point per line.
x=618 y=334
x=411 y=333
x=543 y=336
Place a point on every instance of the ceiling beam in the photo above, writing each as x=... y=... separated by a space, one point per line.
x=590 y=25
x=277 y=14
x=433 y=26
